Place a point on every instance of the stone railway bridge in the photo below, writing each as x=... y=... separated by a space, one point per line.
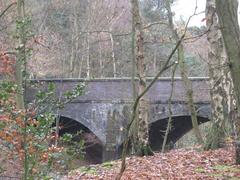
x=104 y=110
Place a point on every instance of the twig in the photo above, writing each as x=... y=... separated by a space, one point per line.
x=195 y=38
x=155 y=23
x=106 y=31
x=8 y=7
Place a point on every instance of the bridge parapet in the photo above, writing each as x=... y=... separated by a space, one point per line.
x=120 y=90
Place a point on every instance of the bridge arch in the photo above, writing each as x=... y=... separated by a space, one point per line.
x=180 y=126
x=93 y=145
x=102 y=96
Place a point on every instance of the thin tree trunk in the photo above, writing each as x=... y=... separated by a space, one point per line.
x=21 y=76
x=155 y=60
x=189 y=92
x=21 y=56
x=227 y=12
x=82 y=60
x=77 y=59
x=88 y=57
x=80 y=67
x=100 y=60
x=72 y=56
x=187 y=83
x=74 y=43
x=143 y=118
x=113 y=56
x=134 y=129
x=169 y=124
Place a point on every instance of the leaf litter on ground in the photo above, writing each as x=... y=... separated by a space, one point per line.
x=176 y=164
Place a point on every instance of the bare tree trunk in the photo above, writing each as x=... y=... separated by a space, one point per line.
x=227 y=12
x=134 y=129
x=88 y=57
x=220 y=80
x=75 y=42
x=80 y=67
x=155 y=60
x=169 y=124
x=82 y=59
x=100 y=60
x=77 y=38
x=21 y=75
x=187 y=83
x=113 y=56
x=72 y=57
x=77 y=59
x=21 y=56
x=143 y=118
x=189 y=92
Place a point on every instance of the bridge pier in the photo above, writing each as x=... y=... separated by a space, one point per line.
x=114 y=134
x=109 y=154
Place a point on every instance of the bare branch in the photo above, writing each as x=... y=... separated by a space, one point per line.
x=8 y=7
x=155 y=23
x=106 y=31
x=123 y=34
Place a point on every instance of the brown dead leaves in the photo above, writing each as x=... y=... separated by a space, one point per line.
x=6 y=63
x=177 y=164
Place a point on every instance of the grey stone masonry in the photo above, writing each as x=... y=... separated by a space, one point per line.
x=106 y=105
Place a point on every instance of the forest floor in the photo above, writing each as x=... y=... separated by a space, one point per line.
x=176 y=164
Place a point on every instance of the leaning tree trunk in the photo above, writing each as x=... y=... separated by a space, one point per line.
x=169 y=124
x=134 y=128
x=227 y=12
x=187 y=83
x=143 y=136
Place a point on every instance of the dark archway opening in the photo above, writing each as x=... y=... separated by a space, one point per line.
x=180 y=126
x=93 y=146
